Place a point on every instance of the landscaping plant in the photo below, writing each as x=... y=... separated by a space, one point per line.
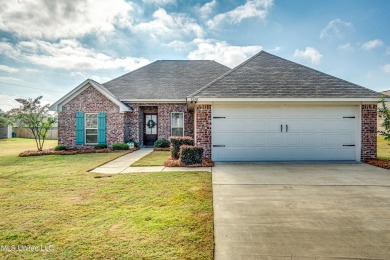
x=191 y=154
x=120 y=146
x=162 y=143
x=32 y=115
x=384 y=114
x=176 y=142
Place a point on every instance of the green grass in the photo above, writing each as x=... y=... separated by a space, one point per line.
x=17 y=145
x=155 y=158
x=53 y=200
x=383 y=148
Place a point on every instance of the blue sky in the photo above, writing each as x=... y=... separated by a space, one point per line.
x=49 y=47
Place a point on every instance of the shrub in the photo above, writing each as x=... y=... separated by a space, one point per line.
x=100 y=146
x=60 y=147
x=136 y=145
x=161 y=143
x=120 y=146
x=176 y=142
x=191 y=154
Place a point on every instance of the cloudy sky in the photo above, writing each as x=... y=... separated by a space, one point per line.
x=49 y=47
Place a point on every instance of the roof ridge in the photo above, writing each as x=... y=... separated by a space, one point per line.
x=227 y=73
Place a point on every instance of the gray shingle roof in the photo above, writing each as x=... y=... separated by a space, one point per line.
x=268 y=76
x=166 y=79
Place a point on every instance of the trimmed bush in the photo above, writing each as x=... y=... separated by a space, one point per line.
x=176 y=142
x=60 y=147
x=191 y=154
x=136 y=145
x=120 y=146
x=100 y=146
x=162 y=143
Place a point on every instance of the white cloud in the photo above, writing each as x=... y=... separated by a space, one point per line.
x=70 y=55
x=346 y=47
x=8 y=69
x=10 y=80
x=169 y=26
x=207 y=9
x=386 y=68
x=251 y=9
x=376 y=43
x=309 y=54
x=221 y=52
x=7 y=102
x=159 y=2
x=336 y=27
x=63 y=19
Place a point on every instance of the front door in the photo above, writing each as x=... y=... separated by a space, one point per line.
x=150 y=129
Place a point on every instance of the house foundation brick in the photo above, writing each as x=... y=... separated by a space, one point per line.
x=369 y=132
x=203 y=128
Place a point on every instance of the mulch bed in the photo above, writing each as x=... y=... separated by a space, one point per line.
x=161 y=149
x=383 y=163
x=170 y=162
x=71 y=152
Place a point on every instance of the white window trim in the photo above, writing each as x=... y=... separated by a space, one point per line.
x=85 y=128
x=183 y=121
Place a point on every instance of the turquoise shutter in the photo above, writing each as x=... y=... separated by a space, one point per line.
x=101 y=128
x=79 y=128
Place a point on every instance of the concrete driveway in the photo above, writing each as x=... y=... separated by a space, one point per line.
x=301 y=211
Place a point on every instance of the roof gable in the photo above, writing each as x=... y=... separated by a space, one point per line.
x=268 y=76
x=57 y=106
x=165 y=79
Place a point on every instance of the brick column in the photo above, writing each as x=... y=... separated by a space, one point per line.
x=203 y=128
x=369 y=126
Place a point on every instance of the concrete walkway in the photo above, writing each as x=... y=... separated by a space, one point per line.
x=122 y=165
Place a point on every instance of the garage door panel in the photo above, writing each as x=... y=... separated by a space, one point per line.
x=253 y=133
x=308 y=139
x=293 y=139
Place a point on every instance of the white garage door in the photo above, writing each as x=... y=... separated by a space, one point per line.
x=283 y=133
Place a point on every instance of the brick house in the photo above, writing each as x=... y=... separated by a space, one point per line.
x=265 y=109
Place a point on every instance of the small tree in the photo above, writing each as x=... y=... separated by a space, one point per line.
x=384 y=113
x=4 y=120
x=32 y=115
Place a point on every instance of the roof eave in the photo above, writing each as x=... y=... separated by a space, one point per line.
x=221 y=99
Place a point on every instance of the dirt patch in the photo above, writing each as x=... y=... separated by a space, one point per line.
x=70 y=152
x=170 y=162
x=383 y=163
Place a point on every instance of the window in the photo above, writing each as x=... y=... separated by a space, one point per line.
x=177 y=124
x=91 y=128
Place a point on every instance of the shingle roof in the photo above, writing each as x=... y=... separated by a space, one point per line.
x=166 y=79
x=268 y=76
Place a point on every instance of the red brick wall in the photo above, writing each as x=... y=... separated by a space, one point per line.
x=203 y=128
x=90 y=101
x=164 y=111
x=369 y=126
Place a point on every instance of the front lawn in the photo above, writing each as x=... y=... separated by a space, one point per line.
x=53 y=201
x=383 y=148
x=155 y=158
x=17 y=145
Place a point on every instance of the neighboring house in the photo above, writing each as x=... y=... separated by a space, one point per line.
x=266 y=109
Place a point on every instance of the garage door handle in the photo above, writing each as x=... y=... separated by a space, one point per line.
x=281 y=128
x=218 y=145
x=348 y=145
x=286 y=128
